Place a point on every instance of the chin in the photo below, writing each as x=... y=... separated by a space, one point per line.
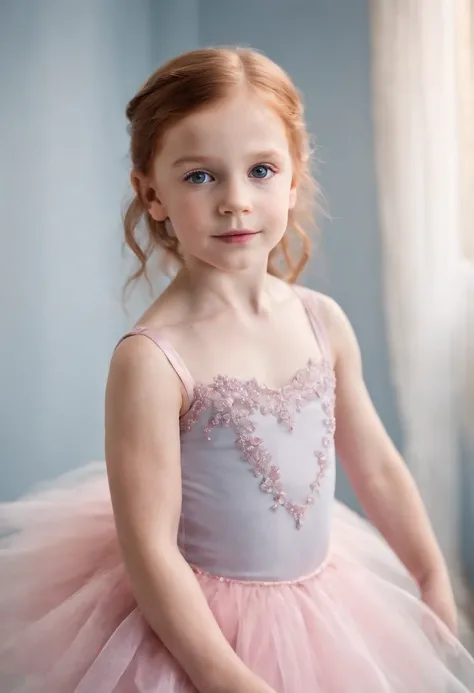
x=237 y=262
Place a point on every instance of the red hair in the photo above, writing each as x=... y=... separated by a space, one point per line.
x=196 y=80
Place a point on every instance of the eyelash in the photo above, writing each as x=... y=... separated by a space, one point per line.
x=200 y=170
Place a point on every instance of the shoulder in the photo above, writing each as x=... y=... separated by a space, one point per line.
x=329 y=309
x=336 y=324
x=137 y=352
x=139 y=368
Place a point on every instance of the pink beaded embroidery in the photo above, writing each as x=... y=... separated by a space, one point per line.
x=232 y=401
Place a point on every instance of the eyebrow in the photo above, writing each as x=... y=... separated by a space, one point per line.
x=259 y=155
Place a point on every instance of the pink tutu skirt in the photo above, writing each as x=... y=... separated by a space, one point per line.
x=69 y=622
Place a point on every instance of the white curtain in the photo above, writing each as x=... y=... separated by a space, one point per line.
x=423 y=96
x=466 y=94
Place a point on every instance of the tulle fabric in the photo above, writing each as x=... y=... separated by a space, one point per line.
x=69 y=622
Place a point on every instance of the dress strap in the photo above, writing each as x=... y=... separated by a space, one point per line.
x=171 y=354
x=311 y=303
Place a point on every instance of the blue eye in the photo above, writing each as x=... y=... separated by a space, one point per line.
x=261 y=171
x=196 y=177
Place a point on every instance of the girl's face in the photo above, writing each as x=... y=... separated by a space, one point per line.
x=225 y=169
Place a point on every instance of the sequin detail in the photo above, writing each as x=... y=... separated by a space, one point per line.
x=232 y=401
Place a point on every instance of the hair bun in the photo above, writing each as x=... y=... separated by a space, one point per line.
x=132 y=107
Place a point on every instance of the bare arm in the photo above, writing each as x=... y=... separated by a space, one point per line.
x=377 y=472
x=143 y=402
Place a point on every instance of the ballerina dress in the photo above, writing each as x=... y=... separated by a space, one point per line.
x=307 y=592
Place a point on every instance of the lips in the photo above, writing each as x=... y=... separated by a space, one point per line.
x=237 y=236
x=237 y=232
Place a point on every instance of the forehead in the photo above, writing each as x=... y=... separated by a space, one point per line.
x=237 y=124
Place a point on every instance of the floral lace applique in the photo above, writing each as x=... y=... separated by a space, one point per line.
x=232 y=401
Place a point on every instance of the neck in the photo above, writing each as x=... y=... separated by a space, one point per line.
x=245 y=291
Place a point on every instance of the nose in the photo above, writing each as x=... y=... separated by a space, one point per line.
x=235 y=199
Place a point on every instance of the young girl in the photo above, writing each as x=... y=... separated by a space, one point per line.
x=209 y=554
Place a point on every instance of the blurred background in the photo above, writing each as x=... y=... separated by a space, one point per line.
x=389 y=95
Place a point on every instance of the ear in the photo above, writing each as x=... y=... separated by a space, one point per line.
x=148 y=196
x=293 y=197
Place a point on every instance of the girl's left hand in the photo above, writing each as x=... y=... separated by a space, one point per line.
x=437 y=594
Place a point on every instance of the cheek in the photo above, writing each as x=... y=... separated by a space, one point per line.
x=279 y=204
x=278 y=220
x=189 y=214
x=282 y=192
x=186 y=205
x=191 y=201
